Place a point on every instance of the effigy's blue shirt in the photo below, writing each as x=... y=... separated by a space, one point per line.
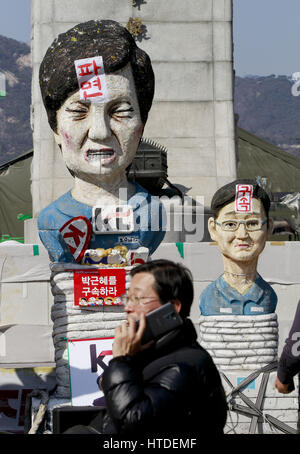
x=147 y=212
x=219 y=298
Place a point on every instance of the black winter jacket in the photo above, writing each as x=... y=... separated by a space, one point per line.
x=172 y=387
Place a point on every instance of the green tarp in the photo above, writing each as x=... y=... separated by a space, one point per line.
x=15 y=195
x=256 y=157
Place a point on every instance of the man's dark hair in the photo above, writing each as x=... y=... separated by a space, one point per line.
x=106 y=38
x=172 y=281
x=226 y=194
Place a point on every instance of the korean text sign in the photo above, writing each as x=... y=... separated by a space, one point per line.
x=102 y=287
x=243 y=198
x=91 y=79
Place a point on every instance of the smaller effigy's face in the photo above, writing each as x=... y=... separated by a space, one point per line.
x=100 y=140
x=240 y=245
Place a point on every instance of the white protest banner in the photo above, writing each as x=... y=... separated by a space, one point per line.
x=88 y=358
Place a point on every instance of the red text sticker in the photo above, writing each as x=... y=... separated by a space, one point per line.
x=243 y=198
x=91 y=79
x=102 y=287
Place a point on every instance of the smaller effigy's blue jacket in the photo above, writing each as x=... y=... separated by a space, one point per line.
x=219 y=298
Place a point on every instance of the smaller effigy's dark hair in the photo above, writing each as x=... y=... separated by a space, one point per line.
x=106 y=38
x=226 y=194
x=173 y=281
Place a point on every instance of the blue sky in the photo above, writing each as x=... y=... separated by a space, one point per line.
x=266 y=33
x=15 y=19
x=266 y=36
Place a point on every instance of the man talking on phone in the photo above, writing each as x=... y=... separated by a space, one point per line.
x=168 y=385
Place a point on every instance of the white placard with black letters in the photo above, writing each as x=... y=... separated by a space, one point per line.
x=88 y=358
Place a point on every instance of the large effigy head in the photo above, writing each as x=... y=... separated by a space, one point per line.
x=107 y=38
x=242 y=201
x=96 y=83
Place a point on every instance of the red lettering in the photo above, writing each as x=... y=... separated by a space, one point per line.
x=85 y=85
x=84 y=69
x=92 y=95
x=96 y=67
x=75 y=233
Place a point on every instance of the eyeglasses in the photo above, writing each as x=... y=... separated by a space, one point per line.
x=251 y=225
x=134 y=300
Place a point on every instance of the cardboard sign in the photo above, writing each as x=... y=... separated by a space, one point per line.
x=113 y=219
x=88 y=358
x=102 y=287
x=243 y=198
x=77 y=234
x=91 y=79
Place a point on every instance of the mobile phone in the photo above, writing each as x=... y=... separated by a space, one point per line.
x=160 y=322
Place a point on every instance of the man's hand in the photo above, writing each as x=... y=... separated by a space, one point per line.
x=128 y=338
x=283 y=388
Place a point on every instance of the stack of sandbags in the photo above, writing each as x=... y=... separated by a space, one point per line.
x=240 y=341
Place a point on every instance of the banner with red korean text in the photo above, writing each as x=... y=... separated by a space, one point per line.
x=100 y=287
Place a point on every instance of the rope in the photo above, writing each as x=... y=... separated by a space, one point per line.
x=44 y=396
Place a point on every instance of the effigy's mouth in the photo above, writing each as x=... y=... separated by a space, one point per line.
x=105 y=155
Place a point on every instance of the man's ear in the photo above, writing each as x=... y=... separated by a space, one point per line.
x=212 y=228
x=270 y=226
x=177 y=305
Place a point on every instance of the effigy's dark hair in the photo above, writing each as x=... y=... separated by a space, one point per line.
x=106 y=38
x=172 y=281
x=226 y=194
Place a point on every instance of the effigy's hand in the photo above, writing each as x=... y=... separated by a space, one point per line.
x=128 y=337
